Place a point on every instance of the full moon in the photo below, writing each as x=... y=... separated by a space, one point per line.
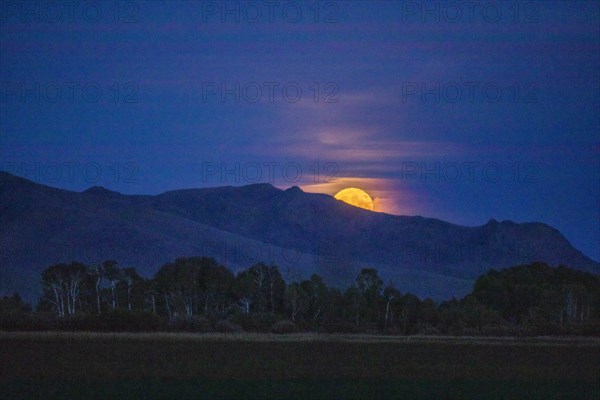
x=355 y=197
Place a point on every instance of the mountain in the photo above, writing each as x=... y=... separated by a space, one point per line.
x=301 y=232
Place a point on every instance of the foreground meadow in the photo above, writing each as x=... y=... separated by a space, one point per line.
x=260 y=366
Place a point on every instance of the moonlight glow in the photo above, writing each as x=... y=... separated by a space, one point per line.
x=355 y=197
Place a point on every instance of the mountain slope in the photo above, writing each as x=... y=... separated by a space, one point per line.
x=302 y=221
x=302 y=233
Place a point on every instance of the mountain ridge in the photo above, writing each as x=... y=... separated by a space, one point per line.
x=301 y=232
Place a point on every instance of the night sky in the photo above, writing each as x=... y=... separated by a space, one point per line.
x=458 y=113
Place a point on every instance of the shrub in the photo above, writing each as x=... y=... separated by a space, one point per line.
x=12 y=321
x=256 y=322
x=340 y=327
x=115 y=321
x=194 y=323
x=283 y=327
x=227 y=326
x=430 y=330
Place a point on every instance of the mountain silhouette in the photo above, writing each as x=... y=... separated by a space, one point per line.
x=302 y=233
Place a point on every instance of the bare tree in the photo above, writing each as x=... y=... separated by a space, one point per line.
x=62 y=287
x=113 y=275
x=132 y=280
x=390 y=294
x=97 y=273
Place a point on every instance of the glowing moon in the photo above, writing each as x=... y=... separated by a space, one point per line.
x=355 y=197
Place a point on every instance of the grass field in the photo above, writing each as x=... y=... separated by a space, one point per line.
x=180 y=366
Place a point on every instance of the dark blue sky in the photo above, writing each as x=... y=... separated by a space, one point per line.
x=460 y=114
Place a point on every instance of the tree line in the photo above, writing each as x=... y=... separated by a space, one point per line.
x=198 y=294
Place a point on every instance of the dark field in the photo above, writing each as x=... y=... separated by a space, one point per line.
x=89 y=366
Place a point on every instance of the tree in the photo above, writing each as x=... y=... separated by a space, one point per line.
x=246 y=290
x=540 y=295
x=269 y=287
x=61 y=285
x=369 y=283
x=134 y=284
x=357 y=301
x=428 y=314
x=297 y=300
x=97 y=273
x=215 y=285
x=451 y=317
x=370 y=287
x=474 y=313
x=390 y=294
x=113 y=274
x=151 y=292
x=276 y=289
x=534 y=298
x=13 y=304
x=410 y=312
x=317 y=295
x=178 y=281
